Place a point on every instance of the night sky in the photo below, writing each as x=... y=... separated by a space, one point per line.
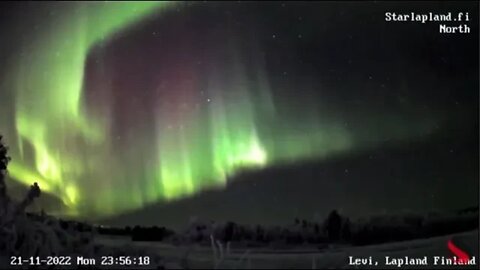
x=150 y=112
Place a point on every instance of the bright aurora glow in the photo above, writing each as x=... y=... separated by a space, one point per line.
x=208 y=125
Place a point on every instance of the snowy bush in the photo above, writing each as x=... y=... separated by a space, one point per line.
x=21 y=235
x=41 y=235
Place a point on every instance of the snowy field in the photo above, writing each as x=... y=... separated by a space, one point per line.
x=167 y=256
x=202 y=257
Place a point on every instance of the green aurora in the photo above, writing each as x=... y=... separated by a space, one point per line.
x=71 y=152
x=48 y=87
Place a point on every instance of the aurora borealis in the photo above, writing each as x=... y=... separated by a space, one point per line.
x=50 y=75
x=109 y=115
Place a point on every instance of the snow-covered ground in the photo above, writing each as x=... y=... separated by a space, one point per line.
x=197 y=257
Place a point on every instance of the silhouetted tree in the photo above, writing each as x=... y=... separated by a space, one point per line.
x=229 y=231
x=259 y=233
x=4 y=159
x=346 y=230
x=334 y=225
